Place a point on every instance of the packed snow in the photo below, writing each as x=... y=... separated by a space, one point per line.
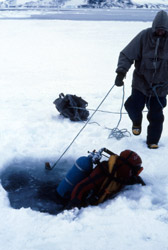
x=39 y=60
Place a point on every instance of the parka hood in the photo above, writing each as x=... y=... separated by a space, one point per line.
x=160 y=21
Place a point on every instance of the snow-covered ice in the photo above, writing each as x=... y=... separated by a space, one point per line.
x=38 y=60
x=149 y=1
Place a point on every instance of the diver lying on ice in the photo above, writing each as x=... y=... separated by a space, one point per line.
x=91 y=181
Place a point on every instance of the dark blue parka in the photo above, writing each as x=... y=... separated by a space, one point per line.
x=149 y=53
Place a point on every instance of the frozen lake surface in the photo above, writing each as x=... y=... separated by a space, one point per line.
x=39 y=60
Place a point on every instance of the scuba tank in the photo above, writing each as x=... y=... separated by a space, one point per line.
x=80 y=170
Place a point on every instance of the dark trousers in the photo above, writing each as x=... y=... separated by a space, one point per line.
x=135 y=105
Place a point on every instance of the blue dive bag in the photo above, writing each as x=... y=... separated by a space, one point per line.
x=80 y=170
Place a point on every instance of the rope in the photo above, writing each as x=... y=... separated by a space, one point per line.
x=103 y=111
x=153 y=88
x=82 y=128
x=115 y=132
x=119 y=133
x=155 y=92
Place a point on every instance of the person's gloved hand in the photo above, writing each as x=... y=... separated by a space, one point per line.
x=119 y=79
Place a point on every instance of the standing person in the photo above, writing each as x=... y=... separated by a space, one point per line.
x=149 y=53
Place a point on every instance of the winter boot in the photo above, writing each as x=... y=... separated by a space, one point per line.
x=153 y=146
x=136 y=129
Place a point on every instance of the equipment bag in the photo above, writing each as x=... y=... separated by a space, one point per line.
x=72 y=107
x=107 y=179
x=99 y=185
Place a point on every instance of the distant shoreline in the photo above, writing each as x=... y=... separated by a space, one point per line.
x=144 y=15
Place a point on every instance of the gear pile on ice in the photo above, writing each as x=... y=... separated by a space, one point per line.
x=72 y=107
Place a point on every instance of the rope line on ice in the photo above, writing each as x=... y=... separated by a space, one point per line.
x=118 y=134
